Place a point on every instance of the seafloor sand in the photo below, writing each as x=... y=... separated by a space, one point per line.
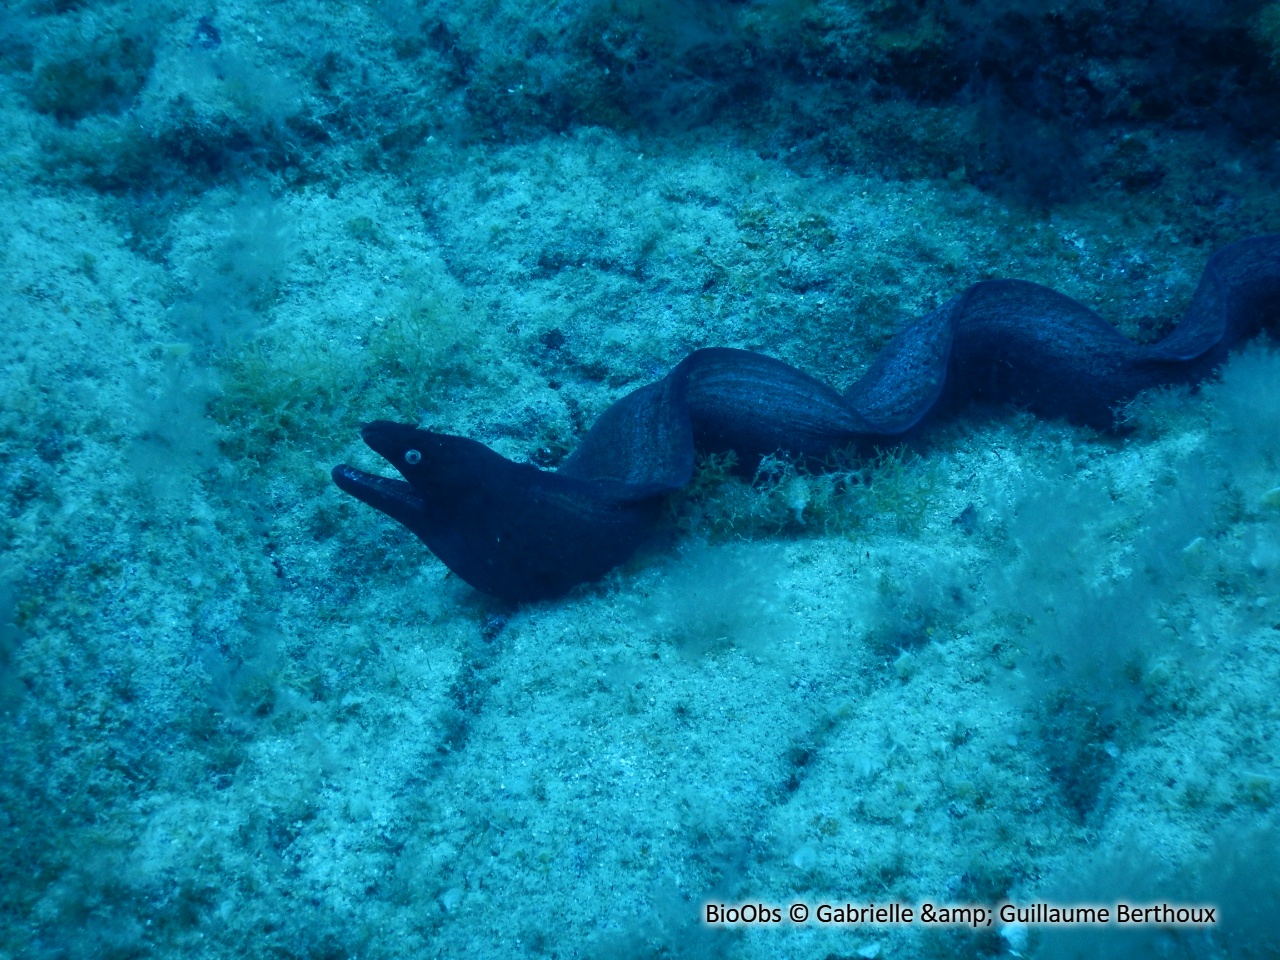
x=243 y=715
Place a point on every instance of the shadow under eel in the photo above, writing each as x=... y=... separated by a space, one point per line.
x=520 y=533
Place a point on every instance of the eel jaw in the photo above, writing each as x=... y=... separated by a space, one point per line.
x=396 y=498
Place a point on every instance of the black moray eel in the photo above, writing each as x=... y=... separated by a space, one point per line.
x=520 y=533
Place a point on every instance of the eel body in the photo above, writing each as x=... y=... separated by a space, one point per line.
x=522 y=534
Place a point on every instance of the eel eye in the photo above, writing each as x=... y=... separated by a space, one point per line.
x=412 y=457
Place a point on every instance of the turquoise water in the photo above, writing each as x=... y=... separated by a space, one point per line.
x=1016 y=661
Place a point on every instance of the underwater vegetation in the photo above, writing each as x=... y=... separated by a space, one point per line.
x=1027 y=101
x=1030 y=103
